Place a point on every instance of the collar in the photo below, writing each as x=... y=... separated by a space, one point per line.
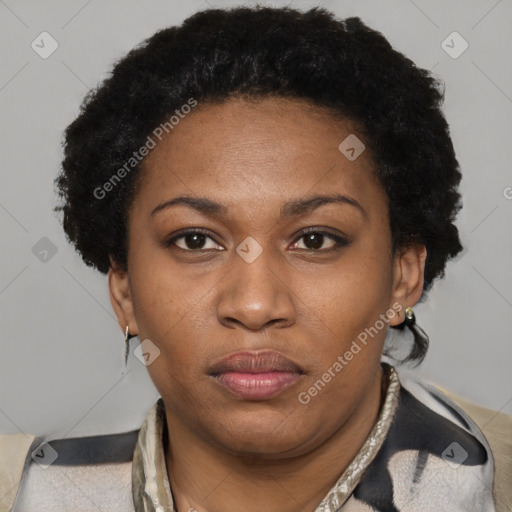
x=150 y=484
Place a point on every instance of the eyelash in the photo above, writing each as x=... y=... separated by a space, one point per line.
x=340 y=241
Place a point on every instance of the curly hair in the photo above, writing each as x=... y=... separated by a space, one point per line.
x=341 y=65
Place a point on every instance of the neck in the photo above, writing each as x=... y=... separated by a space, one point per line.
x=206 y=479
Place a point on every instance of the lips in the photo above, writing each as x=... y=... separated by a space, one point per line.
x=256 y=375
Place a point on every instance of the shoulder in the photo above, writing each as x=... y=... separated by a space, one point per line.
x=13 y=452
x=66 y=474
x=490 y=429
x=497 y=429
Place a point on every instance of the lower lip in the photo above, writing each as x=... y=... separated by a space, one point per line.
x=257 y=386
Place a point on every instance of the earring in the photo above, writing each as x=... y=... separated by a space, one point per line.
x=127 y=337
x=421 y=338
x=410 y=317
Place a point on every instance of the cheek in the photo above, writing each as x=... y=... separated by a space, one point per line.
x=351 y=304
x=164 y=297
x=359 y=288
x=174 y=311
x=346 y=362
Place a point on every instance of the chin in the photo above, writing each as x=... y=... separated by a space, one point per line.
x=264 y=435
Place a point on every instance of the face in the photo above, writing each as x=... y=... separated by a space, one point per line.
x=258 y=287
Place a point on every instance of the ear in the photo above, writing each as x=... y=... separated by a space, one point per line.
x=121 y=298
x=408 y=269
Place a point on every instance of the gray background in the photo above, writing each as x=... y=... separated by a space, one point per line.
x=61 y=357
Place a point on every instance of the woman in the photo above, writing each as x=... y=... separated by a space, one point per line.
x=268 y=192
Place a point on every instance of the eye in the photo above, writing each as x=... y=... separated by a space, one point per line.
x=314 y=240
x=192 y=241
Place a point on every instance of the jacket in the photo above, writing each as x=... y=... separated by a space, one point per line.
x=426 y=452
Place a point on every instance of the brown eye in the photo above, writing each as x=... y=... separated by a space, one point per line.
x=320 y=241
x=192 y=241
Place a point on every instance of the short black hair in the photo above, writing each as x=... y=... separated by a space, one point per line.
x=217 y=54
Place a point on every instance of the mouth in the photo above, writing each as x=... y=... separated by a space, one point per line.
x=259 y=375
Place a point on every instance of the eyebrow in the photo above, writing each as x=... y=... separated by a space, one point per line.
x=292 y=208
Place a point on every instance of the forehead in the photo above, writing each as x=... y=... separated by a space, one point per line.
x=253 y=153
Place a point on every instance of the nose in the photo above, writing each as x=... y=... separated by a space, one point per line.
x=256 y=295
